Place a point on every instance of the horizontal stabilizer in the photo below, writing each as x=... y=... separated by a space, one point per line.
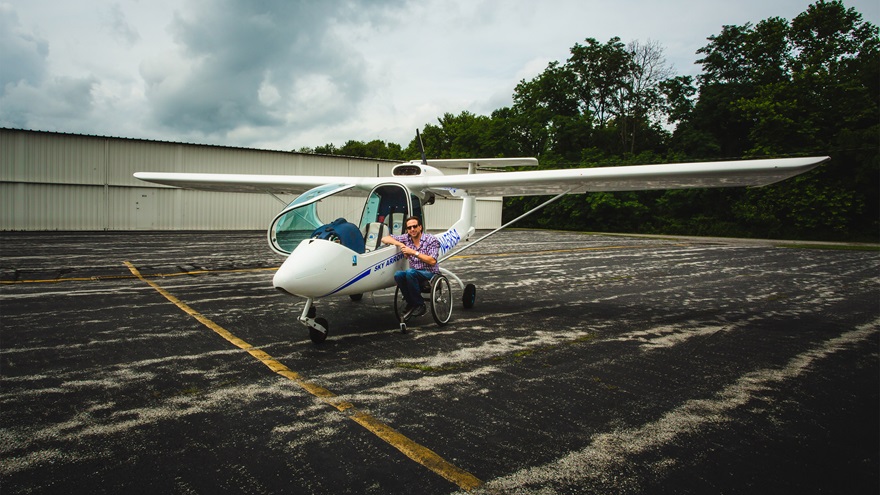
x=483 y=162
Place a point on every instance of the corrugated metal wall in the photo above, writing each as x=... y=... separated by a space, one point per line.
x=52 y=181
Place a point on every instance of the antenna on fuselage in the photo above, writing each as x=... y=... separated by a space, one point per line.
x=421 y=147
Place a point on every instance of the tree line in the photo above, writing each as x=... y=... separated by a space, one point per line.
x=778 y=88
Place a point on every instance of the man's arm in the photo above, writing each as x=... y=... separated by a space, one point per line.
x=431 y=251
x=427 y=259
x=389 y=239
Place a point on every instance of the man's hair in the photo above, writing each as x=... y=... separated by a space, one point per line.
x=417 y=219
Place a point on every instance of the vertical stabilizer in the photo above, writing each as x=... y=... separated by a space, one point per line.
x=465 y=227
x=462 y=229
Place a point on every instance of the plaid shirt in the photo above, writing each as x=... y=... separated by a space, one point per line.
x=428 y=244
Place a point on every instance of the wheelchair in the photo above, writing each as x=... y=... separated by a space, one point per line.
x=439 y=300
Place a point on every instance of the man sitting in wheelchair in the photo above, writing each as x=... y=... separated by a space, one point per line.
x=421 y=249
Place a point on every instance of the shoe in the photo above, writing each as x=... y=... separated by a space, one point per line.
x=419 y=310
x=407 y=312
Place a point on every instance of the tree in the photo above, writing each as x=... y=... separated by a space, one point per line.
x=541 y=107
x=827 y=101
x=640 y=101
x=775 y=88
x=677 y=98
x=605 y=97
x=601 y=77
x=373 y=149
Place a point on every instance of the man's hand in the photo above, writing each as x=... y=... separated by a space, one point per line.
x=391 y=240
x=394 y=242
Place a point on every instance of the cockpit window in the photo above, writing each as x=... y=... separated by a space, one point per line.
x=300 y=218
x=318 y=193
x=388 y=205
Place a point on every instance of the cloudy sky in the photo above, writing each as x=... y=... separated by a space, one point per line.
x=284 y=74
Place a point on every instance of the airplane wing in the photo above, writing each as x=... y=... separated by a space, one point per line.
x=523 y=183
x=626 y=178
x=297 y=184
x=251 y=183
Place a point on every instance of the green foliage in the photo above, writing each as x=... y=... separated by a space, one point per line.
x=810 y=86
x=373 y=149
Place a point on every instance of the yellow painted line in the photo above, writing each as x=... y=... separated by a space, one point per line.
x=205 y=272
x=418 y=453
x=71 y=279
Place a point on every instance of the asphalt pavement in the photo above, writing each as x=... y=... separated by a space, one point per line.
x=160 y=362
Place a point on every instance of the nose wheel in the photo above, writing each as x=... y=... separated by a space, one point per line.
x=318 y=327
x=318 y=333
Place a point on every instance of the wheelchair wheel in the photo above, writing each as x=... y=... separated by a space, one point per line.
x=441 y=300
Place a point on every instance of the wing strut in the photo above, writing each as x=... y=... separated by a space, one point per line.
x=279 y=199
x=545 y=203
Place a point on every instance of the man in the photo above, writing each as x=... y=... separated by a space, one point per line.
x=421 y=249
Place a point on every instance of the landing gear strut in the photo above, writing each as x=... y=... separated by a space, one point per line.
x=318 y=327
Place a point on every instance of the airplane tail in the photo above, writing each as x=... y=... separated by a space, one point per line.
x=464 y=228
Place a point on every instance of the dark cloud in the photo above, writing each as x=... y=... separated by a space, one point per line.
x=260 y=64
x=53 y=105
x=22 y=54
x=29 y=98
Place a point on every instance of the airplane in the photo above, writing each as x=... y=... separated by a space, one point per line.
x=341 y=258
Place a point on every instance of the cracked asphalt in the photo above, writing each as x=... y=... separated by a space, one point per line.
x=589 y=364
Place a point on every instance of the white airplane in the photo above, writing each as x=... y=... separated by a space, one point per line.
x=342 y=258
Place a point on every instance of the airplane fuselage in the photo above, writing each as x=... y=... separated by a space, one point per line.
x=319 y=268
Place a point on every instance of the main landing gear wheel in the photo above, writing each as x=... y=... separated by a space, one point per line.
x=470 y=296
x=316 y=335
x=441 y=300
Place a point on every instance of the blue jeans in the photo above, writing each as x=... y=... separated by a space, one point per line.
x=409 y=282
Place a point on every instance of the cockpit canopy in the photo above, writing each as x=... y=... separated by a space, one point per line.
x=300 y=218
x=386 y=207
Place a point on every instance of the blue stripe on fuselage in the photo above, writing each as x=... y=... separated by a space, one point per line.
x=373 y=268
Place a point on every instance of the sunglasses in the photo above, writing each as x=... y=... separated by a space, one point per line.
x=411 y=227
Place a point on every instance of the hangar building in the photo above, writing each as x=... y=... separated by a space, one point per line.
x=58 y=181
